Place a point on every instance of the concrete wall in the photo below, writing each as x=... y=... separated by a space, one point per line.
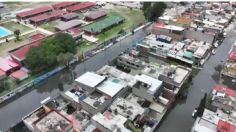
x=199 y=36
x=167 y=33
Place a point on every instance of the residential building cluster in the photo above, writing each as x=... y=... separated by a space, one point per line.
x=219 y=114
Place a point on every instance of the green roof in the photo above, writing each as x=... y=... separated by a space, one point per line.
x=100 y=25
x=188 y=54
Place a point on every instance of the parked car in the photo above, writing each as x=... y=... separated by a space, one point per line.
x=213 y=51
x=194 y=114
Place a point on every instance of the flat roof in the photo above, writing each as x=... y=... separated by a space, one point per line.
x=19 y=74
x=47 y=16
x=34 y=11
x=154 y=84
x=131 y=110
x=53 y=121
x=90 y=79
x=180 y=74
x=67 y=25
x=81 y=6
x=109 y=120
x=6 y=65
x=110 y=88
x=100 y=25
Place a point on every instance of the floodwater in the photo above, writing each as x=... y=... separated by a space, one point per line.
x=179 y=119
x=13 y=112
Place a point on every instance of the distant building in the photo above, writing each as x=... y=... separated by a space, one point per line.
x=95 y=15
x=80 y=6
x=46 y=17
x=62 y=5
x=63 y=26
x=34 y=12
x=69 y=16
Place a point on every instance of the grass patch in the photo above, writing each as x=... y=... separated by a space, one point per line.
x=7 y=46
x=132 y=18
x=85 y=46
x=12 y=26
x=49 y=26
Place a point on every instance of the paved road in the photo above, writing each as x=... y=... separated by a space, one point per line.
x=179 y=119
x=14 y=111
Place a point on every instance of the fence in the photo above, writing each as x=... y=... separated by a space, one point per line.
x=86 y=56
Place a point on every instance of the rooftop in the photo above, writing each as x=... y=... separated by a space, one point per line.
x=47 y=16
x=34 y=11
x=100 y=25
x=67 y=25
x=126 y=108
x=96 y=14
x=63 y=4
x=70 y=15
x=81 y=6
x=110 y=88
x=7 y=64
x=111 y=121
x=90 y=79
x=37 y=36
x=19 y=75
x=53 y=121
x=117 y=76
x=152 y=84
x=76 y=94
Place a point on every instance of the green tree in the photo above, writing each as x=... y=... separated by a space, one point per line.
x=201 y=106
x=65 y=58
x=17 y=34
x=153 y=10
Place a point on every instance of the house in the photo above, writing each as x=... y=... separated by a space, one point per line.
x=106 y=122
x=18 y=55
x=8 y=66
x=52 y=121
x=89 y=80
x=63 y=26
x=102 y=25
x=176 y=32
x=19 y=75
x=81 y=6
x=63 y=5
x=69 y=16
x=147 y=87
x=46 y=17
x=34 y=12
x=95 y=15
x=76 y=33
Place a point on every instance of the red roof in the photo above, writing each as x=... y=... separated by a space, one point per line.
x=224 y=126
x=7 y=64
x=37 y=36
x=232 y=55
x=81 y=6
x=20 y=74
x=226 y=90
x=47 y=16
x=34 y=11
x=21 y=52
x=63 y=4
x=2 y=73
x=74 y=32
x=158 y=25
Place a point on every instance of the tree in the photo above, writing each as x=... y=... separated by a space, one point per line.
x=51 y=51
x=60 y=86
x=153 y=10
x=201 y=106
x=218 y=68
x=65 y=58
x=17 y=34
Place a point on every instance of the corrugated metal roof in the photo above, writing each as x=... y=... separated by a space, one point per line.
x=34 y=11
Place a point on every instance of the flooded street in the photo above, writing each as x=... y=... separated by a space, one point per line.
x=13 y=112
x=179 y=119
